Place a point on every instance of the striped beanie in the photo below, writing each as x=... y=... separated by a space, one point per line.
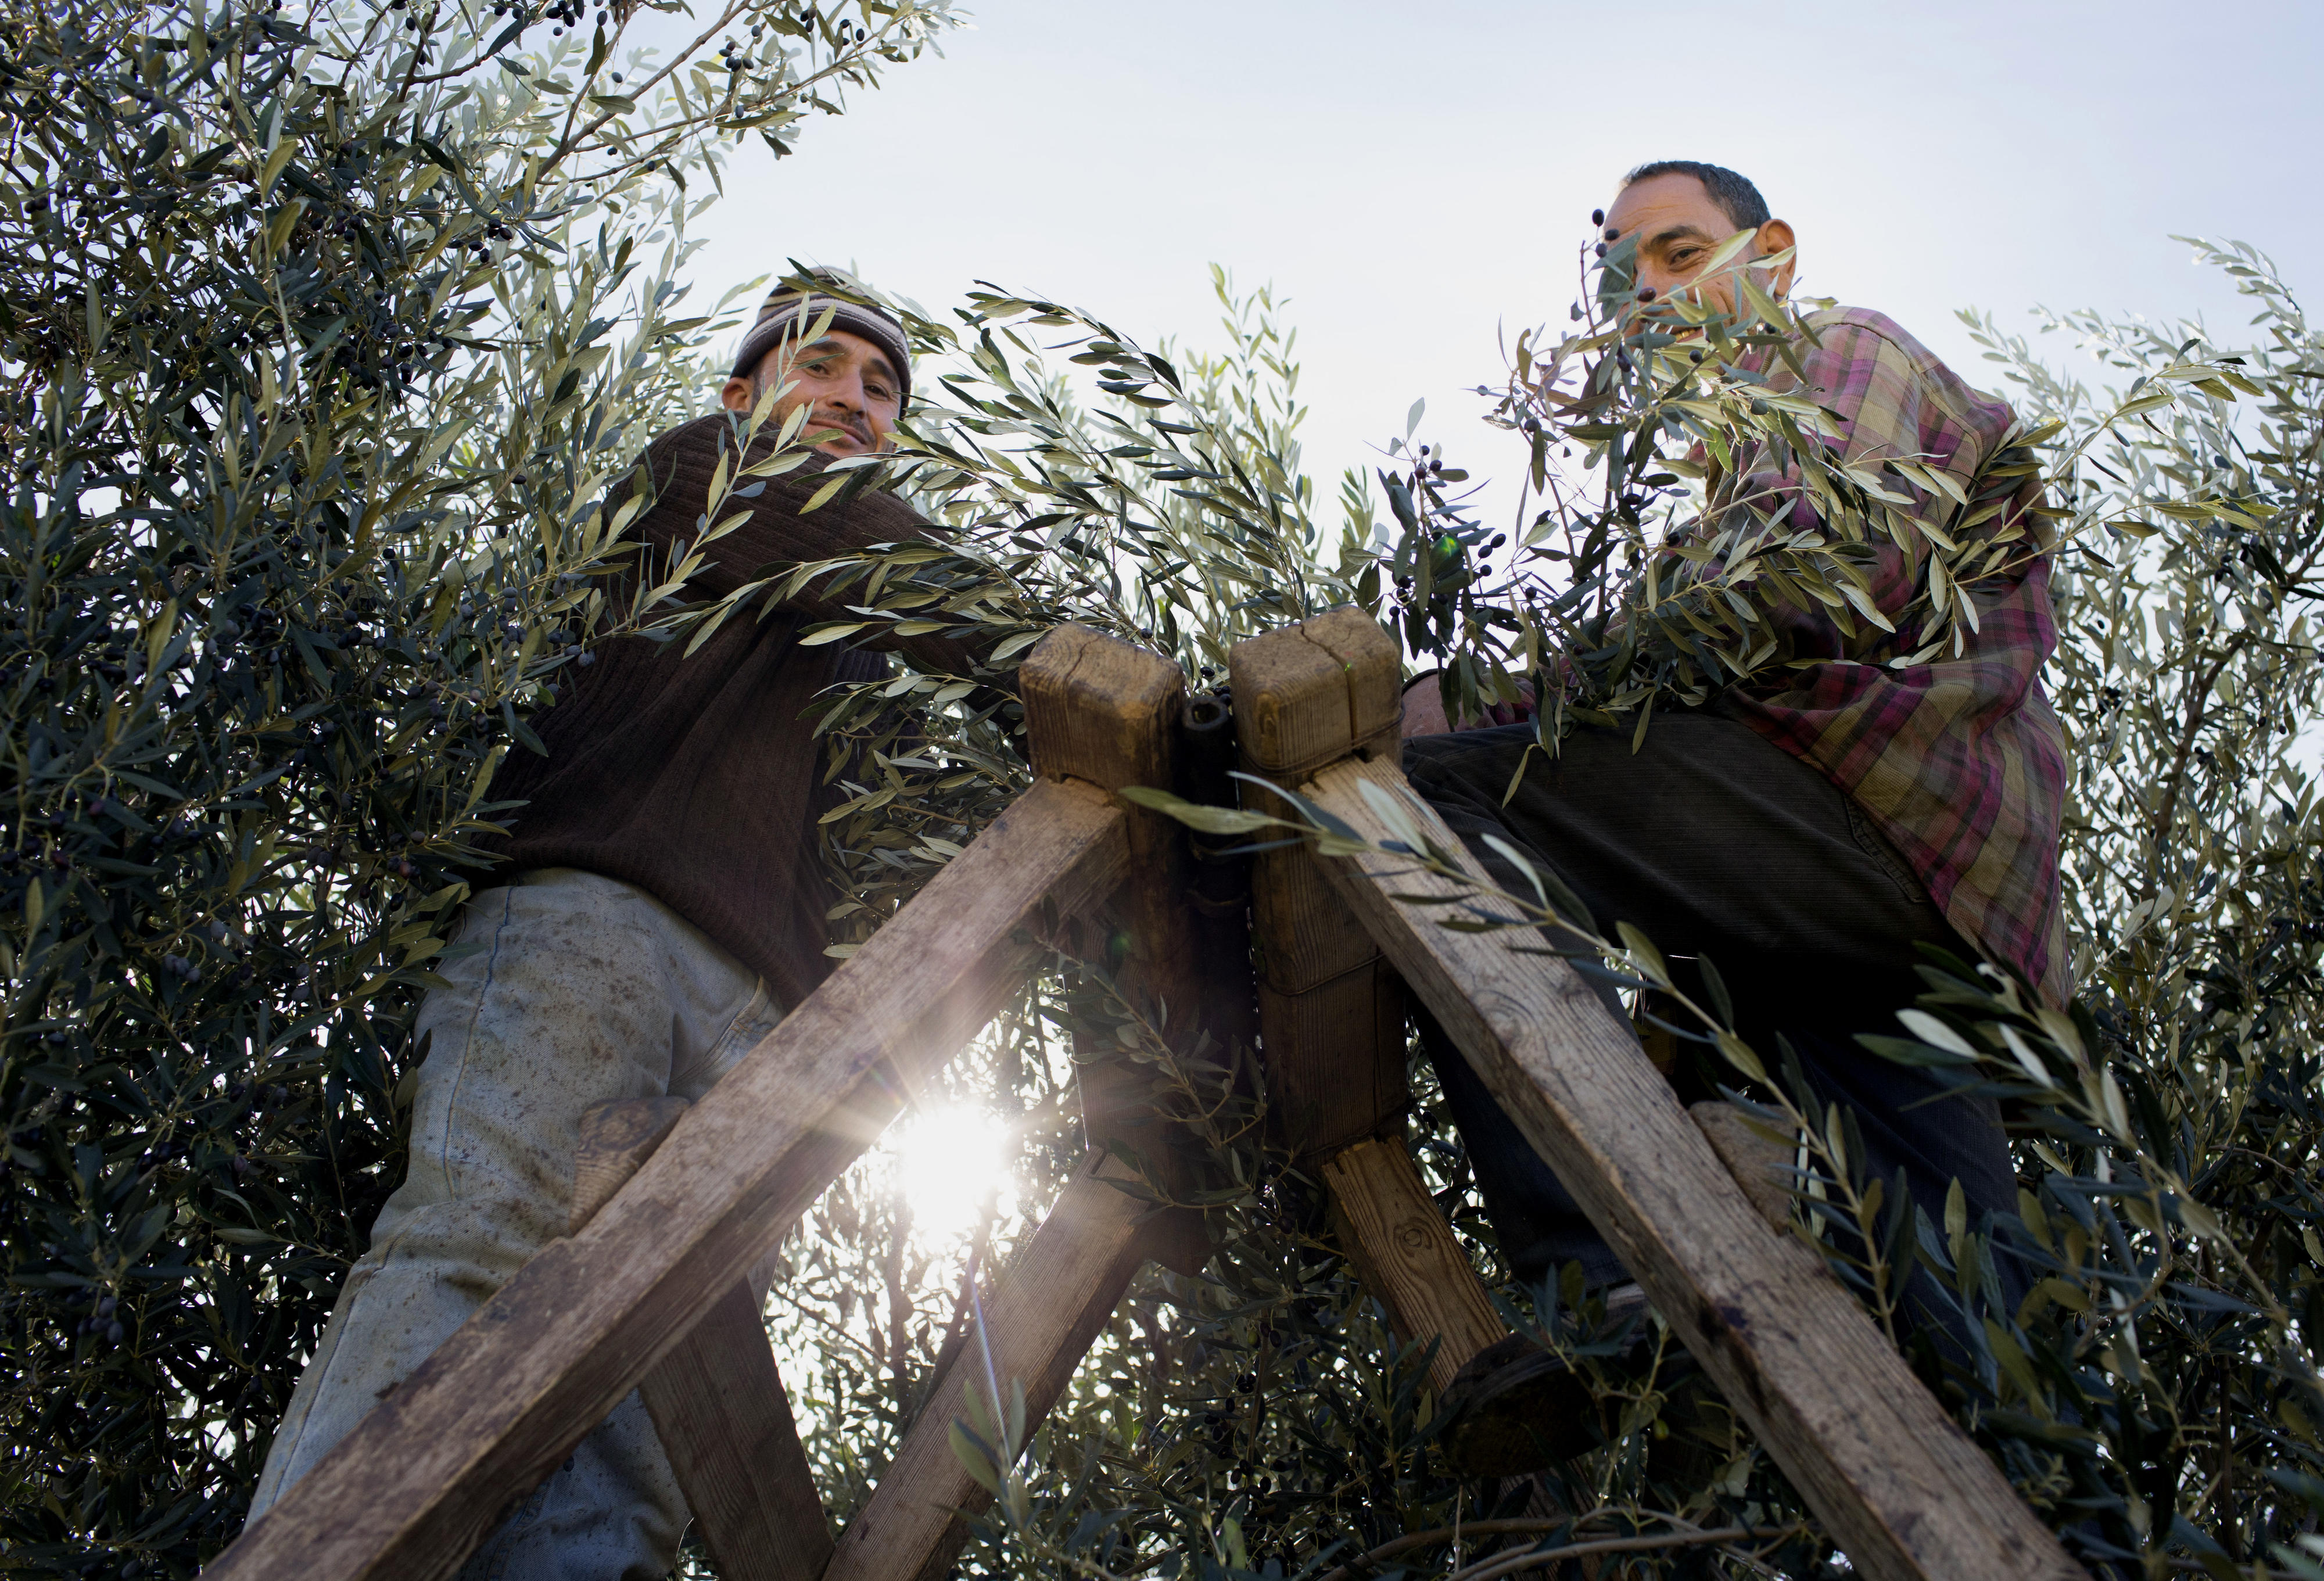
x=789 y=310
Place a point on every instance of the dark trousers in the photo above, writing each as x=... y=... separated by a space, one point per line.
x=1713 y=842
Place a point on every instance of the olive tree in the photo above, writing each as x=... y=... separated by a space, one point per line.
x=322 y=332
x=325 y=335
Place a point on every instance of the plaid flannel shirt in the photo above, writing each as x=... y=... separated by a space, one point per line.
x=1960 y=761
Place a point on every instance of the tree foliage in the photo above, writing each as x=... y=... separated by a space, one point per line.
x=2154 y=1397
x=325 y=335
x=321 y=335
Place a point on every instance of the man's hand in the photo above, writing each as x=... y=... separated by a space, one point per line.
x=1424 y=710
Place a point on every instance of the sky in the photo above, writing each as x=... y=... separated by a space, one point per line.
x=1416 y=179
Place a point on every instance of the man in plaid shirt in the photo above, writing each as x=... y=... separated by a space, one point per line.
x=1806 y=831
x=1958 y=761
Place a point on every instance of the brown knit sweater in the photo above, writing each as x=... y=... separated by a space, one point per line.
x=696 y=778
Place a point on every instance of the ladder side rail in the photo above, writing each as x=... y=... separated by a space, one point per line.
x=718 y=1404
x=1901 y=1488
x=1406 y=1254
x=422 y=1479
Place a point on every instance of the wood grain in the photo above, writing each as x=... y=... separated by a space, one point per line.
x=416 y=1485
x=716 y=1401
x=1104 y=713
x=1763 y=1168
x=1039 y=1319
x=1285 y=720
x=1307 y=695
x=1334 y=1055
x=1330 y=1016
x=1900 y=1487
x=1405 y=1255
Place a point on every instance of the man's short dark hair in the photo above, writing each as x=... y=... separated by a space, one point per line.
x=1737 y=199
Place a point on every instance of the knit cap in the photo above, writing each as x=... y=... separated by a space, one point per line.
x=789 y=310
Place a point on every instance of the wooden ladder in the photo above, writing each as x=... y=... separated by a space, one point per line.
x=674 y=1205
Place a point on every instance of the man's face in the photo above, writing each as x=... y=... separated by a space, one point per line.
x=1679 y=228
x=846 y=380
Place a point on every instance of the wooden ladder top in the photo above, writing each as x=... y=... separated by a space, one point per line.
x=675 y=1204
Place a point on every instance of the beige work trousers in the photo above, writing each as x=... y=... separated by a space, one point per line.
x=570 y=990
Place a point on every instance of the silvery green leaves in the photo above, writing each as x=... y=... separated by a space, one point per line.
x=1206 y=820
x=1071 y=475
x=367 y=309
x=2161 y=1118
x=1695 y=503
x=1161 y=503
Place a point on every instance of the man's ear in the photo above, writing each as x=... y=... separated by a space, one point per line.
x=1775 y=236
x=736 y=394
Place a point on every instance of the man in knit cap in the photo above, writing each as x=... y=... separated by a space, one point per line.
x=660 y=904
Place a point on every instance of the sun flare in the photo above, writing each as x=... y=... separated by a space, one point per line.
x=948 y=1160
